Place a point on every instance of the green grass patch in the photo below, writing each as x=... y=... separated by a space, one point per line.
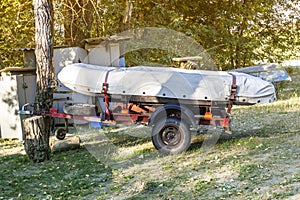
x=249 y=172
x=64 y=176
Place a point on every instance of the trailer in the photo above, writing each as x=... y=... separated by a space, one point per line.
x=175 y=102
x=172 y=122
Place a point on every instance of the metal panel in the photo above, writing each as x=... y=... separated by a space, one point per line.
x=62 y=58
x=15 y=91
x=114 y=54
x=67 y=56
x=104 y=54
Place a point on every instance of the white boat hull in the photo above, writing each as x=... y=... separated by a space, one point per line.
x=164 y=82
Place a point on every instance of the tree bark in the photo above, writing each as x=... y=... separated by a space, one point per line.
x=125 y=20
x=43 y=51
x=37 y=129
x=124 y=24
x=36 y=142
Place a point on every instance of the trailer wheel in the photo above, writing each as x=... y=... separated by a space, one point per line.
x=60 y=133
x=170 y=136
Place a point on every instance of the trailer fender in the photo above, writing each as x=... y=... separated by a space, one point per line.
x=168 y=110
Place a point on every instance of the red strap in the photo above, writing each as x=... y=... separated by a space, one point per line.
x=106 y=99
x=231 y=99
x=232 y=93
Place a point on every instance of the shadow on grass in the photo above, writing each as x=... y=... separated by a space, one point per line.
x=226 y=140
x=77 y=173
x=67 y=175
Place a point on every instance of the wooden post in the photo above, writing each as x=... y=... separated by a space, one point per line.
x=36 y=141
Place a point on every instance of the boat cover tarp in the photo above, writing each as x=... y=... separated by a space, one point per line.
x=167 y=82
x=269 y=72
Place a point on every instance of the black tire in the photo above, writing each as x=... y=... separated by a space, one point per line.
x=60 y=133
x=171 y=136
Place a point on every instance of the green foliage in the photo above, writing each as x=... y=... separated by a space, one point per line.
x=17 y=30
x=238 y=34
x=235 y=34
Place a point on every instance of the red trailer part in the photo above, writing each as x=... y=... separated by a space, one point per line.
x=172 y=120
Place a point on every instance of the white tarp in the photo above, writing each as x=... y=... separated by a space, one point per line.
x=167 y=82
x=270 y=72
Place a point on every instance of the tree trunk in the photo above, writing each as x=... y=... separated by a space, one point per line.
x=65 y=145
x=36 y=139
x=43 y=51
x=79 y=21
x=125 y=20
x=37 y=129
x=124 y=24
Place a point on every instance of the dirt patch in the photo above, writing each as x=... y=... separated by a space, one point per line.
x=12 y=148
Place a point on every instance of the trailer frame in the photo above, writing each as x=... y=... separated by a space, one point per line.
x=172 y=120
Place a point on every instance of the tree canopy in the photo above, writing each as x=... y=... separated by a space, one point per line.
x=235 y=33
x=17 y=30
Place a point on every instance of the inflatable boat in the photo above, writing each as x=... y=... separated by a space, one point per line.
x=154 y=83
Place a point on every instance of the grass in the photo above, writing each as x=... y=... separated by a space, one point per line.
x=259 y=161
x=64 y=176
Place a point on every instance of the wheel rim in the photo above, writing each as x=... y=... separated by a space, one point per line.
x=170 y=136
x=60 y=133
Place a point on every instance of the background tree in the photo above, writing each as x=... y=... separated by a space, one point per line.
x=79 y=17
x=235 y=33
x=17 y=31
x=238 y=33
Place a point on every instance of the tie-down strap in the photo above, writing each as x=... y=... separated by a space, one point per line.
x=106 y=96
x=233 y=89
x=231 y=100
